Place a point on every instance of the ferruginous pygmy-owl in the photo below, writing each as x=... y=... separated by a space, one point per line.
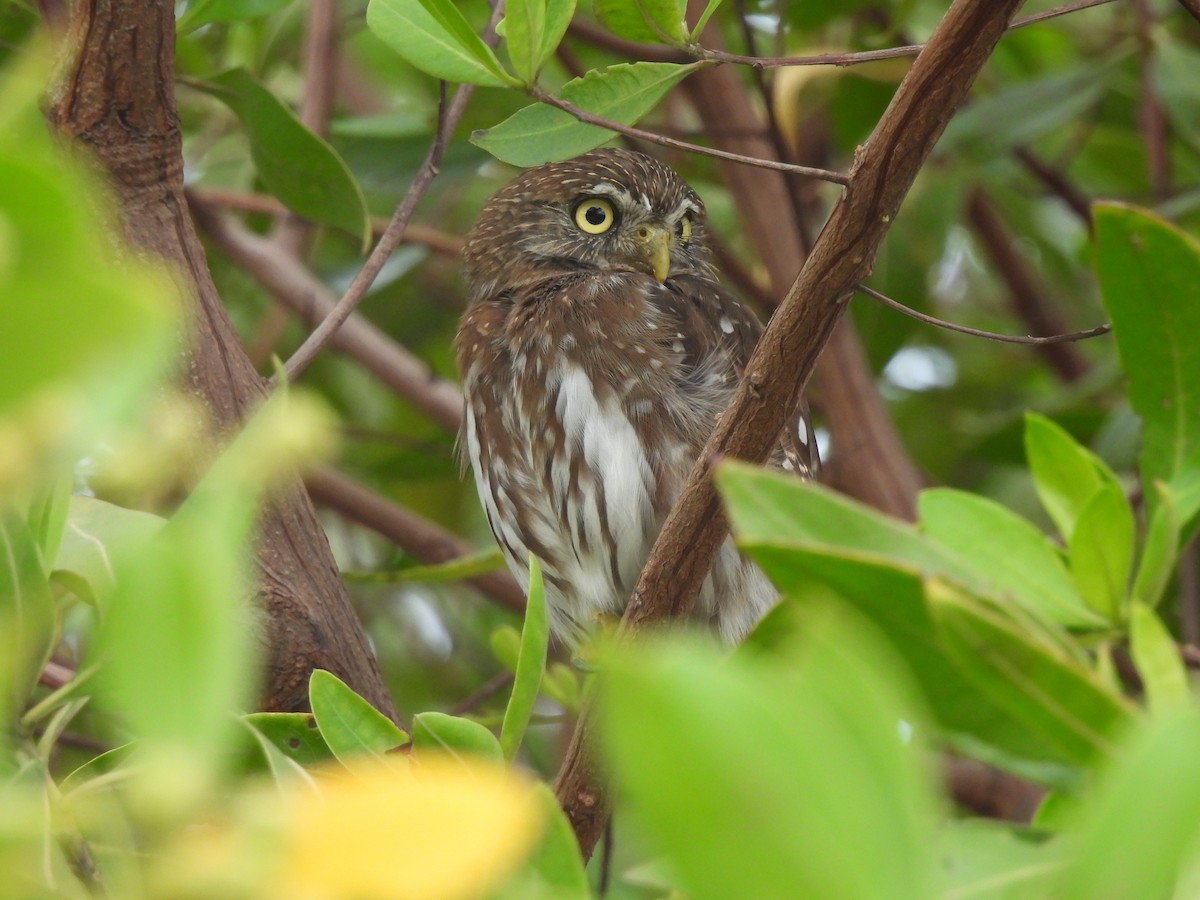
x=596 y=355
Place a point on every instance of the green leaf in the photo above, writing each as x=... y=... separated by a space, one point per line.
x=205 y=12
x=298 y=167
x=47 y=515
x=893 y=598
x=531 y=664
x=458 y=569
x=505 y=642
x=1139 y=829
x=1065 y=474
x=770 y=507
x=94 y=533
x=1149 y=273
x=96 y=329
x=835 y=777
x=433 y=36
x=295 y=735
x=533 y=29
x=1009 y=552
x=709 y=9
x=1157 y=660
x=454 y=735
x=1101 y=551
x=1160 y=551
x=27 y=617
x=555 y=868
x=988 y=860
x=177 y=642
x=622 y=93
x=648 y=21
x=1052 y=693
x=349 y=724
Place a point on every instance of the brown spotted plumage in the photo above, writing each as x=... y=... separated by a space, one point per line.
x=596 y=354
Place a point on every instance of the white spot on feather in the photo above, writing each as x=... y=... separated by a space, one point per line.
x=726 y=325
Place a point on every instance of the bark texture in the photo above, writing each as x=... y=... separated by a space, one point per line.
x=116 y=98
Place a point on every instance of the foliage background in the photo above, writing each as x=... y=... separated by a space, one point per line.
x=996 y=234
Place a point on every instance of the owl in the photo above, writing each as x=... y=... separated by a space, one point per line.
x=596 y=354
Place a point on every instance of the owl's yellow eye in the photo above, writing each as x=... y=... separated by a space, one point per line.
x=683 y=229
x=595 y=215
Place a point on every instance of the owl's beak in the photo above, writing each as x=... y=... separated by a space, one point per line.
x=654 y=248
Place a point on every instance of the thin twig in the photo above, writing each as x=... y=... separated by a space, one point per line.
x=290 y=282
x=975 y=332
x=1152 y=122
x=1058 y=184
x=484 y=692
x=590 y=119
x=1025 y=290
x=868 y=56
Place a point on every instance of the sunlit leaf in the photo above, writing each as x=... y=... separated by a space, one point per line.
x=533 y=29
x=1160 y=550
x=1065 y=474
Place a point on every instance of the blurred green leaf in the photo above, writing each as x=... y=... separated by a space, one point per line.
x=709 y=9
x=1052 y=693
x=1065 y=474
x=1008 y=550
x=295 y=735
x=988 y=860
x=458 y=569
x=1149 y=273
x=1174 y=61
x=622 y=93
x=27 y=617
x=531 y=664
x=533 y=29
x=648 y=21
x=1031 y=108
x=1141 y=827
x=63 y=334
x=433 y=36
x=94 y=532
x=297 y=166
x=47 y=516
x=839 y=771
x=555 y=869
x=454 y=735
x=1101 y=551
x=1156 y=658
x=205 y=12
x=349 y=724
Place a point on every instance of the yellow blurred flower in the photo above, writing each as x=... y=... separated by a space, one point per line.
x=434 y=830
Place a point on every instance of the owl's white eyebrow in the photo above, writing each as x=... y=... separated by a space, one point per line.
x=610 y=189
x=685 y=207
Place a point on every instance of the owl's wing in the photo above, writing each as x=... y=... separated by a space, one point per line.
x=720 y=332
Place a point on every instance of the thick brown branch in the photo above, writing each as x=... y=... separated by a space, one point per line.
x=117 y=99
x=932 y=90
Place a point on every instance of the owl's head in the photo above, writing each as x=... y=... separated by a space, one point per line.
x=608 y=210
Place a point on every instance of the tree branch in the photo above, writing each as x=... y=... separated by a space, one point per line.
x=420 y=537
x=293 y=285
x=932 y=90
x=117 y=99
